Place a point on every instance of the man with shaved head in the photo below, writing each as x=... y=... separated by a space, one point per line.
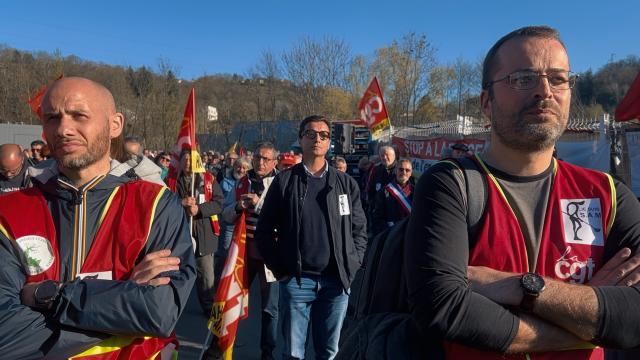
x=13 y=172
x=108 y=253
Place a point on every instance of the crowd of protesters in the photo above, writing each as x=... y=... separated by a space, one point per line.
x=504 y=283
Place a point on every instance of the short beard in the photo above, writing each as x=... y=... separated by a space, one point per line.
x=95 y=152
x=519 y=135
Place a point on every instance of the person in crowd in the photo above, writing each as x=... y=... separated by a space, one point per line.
x=13 y=169
x=340 y=164
x=381 y=174
x=285 y=161
x=102 y=265
x=241 y=166
x=127 y=151
x=248 y=196
x=459 y=150
x=203 y=205
x=213 y=164
x=163 y=161
x=551 y=269
x=393 y=203
x=312 y=234
x=36 y=152
x=133 y=146
x=227 y=166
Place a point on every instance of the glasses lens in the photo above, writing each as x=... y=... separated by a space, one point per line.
x=528 y=79
x=311 y=134
x=523 y=80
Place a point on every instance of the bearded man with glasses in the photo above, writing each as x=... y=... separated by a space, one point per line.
x=552 y=270
x=312 y=235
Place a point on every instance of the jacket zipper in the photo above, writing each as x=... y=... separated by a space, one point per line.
x=79 y=226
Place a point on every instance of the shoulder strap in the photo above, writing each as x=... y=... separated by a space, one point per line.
x=473 y=187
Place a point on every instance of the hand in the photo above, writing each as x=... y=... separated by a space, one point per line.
x=248 y=201
x=501 y=287
x=27 y=295
x=152 y=265
x=193 y=210
x=621 y=270
x=189 y=201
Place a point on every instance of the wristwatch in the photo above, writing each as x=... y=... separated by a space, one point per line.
x=532 y=285
x=45 y=293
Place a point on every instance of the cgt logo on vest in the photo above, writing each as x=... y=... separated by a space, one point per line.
x=37 y=255
x=570 y=267
x=582 y=221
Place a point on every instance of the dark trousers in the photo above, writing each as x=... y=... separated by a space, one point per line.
x=269 y=295
x=204 y=282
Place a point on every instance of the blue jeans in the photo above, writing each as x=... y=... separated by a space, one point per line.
x=322 y=300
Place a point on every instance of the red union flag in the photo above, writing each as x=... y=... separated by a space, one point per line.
x=231 y=303
x=629 y=107
x=35 y=100
x=372 y=110
x=186 y=140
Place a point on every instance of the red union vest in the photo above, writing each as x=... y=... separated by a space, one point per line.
x=124 y=226
x=208 y=194
x=580 y=212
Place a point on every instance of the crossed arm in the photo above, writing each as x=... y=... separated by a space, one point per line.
x=89 y=311
x=480 y=315
x=565 y=315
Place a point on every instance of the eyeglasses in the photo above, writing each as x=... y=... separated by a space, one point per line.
x=529 y=79
x=165 y=159
x=36 y=149
x=404 y=170
x=311 y=134
x=261 y=158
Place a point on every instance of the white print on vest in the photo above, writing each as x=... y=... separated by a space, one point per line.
x=582 y=221
x=99 y=275
x=571 y=267
x=37 y=255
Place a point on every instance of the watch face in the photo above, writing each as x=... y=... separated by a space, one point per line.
x=532 y=283
x=46 y=291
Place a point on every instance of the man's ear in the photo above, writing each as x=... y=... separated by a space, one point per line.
x=116 y=125
x=485 y=103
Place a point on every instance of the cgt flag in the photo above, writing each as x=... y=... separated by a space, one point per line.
x=186 y=141
x=629 y=107
x=372 y=110
x=231 y=303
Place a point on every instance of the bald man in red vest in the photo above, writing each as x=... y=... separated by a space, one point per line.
x=86 y=266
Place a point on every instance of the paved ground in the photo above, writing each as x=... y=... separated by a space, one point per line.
x=192 y=330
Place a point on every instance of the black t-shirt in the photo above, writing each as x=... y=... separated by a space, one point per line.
x=436 y=260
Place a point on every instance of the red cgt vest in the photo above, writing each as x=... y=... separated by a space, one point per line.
x=124 y=226
x=208 y=194
x=580 y=212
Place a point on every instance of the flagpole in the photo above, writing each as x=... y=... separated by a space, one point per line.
x=205 y=344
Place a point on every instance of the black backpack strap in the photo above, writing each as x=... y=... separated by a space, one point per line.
x=473 y=187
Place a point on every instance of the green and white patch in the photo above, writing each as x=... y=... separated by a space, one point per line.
x=36 y=252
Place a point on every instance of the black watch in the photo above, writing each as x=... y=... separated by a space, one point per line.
x=46 y=292
x=532 y=285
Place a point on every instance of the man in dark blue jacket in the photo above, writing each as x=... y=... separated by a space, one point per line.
x=70 y=284
x=312 y=235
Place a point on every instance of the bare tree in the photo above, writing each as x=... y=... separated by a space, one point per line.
x=311 y=65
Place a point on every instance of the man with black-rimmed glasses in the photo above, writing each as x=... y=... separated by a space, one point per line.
x=312 y=235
